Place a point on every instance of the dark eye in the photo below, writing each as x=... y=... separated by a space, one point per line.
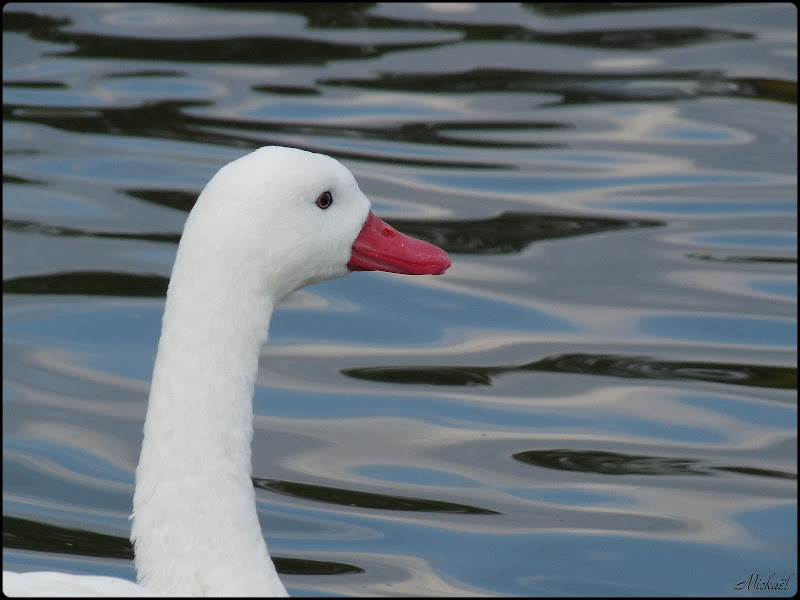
x=325 y=200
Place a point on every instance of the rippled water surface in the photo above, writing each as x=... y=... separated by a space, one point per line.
x=598 y=398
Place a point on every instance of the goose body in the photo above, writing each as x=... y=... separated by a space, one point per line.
x=265 y=225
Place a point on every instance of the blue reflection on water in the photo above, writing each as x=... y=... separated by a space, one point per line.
x=40 y=202
x=705 y=207
x=322 y=110
x=748 y=411
x=539 y=185
x=776 y=524
x=70 y=458
x=753 y=331
x=477 y=416
x=68 y=475
x=395 y=311
x=787 y=289
x=570 y=496
x=72 y=324
x=414 y=475
x=756 y=238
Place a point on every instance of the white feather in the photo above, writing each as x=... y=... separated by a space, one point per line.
x=254 y=236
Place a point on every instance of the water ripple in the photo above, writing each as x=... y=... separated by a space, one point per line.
x=604 y=382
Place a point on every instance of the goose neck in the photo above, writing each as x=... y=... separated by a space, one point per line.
x=195 y=526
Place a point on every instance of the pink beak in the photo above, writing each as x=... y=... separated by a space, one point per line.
x=380 y=247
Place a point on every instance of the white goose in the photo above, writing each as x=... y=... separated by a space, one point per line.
x=266 y=224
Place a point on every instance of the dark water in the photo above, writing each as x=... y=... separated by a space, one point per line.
x=599 y=397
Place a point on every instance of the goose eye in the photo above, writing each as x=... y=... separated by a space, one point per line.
x=325 y=200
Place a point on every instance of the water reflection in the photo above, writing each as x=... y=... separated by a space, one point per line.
x=26 y=534
x=89 y=283
x=637 y=367
x=509 y=232
x=605 y=378
x=321 y=493
x=613 y=463
x=575 y=88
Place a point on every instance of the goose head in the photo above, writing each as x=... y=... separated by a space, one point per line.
x=282 y=218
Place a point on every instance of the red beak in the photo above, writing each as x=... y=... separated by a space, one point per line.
x=380 y=247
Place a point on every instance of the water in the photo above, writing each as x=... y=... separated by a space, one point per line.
x=598 y=398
